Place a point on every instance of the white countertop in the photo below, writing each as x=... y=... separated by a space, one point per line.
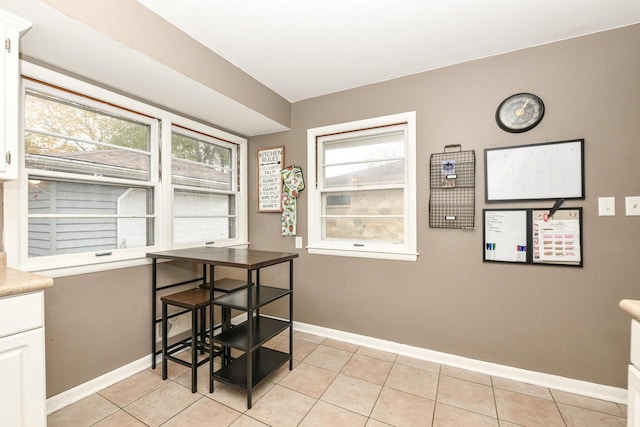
x=632 y=307
x=14 y=281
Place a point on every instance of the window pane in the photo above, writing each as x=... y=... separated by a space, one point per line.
x=197 y=175
x=372 y=202
x=64 y=136
x=370 y=148
x=374 y=230
x=203 y=217
x=62 y=197
x=346 y=205
x=375 y=158
x=390 y=172
x=58 y=236
x=200 y=163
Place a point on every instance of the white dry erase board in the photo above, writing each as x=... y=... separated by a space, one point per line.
x=553 y=170
x=505 y=235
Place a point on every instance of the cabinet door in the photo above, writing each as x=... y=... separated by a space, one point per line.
x=3 y=96
x=22 y=388
x=10 y=29
x=10 y=92
x=633 y=408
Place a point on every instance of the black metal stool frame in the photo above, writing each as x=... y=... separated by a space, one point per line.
x=193 y=342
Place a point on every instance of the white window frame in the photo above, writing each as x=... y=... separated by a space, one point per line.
x=234 y=185
x=316 y=245
x=15 y=192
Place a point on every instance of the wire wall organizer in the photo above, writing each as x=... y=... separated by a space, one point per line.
x=452 y=199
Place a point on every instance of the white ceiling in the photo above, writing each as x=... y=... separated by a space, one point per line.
x=302 y=49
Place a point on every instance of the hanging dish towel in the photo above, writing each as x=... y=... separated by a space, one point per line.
x=292 y=184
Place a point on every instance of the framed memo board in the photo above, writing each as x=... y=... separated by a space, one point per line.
x=552 y=170
x=557 y=240
x=530 y=236
x=505 y=235
x=269 y=163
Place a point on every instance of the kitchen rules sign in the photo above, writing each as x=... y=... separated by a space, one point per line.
x=270 y=162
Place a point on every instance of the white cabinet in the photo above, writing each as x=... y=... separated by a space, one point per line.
x=10 y=29
x=22 y=368
x=633 y=409
x=633 y=384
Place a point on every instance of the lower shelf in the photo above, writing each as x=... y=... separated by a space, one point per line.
x=264 y=328
x=265 y=361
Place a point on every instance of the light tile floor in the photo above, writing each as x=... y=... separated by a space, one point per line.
x=338 y=384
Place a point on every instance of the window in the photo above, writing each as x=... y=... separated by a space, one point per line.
x=362 y=177
x=91 y=179
x=204 y=178
x=95 y=192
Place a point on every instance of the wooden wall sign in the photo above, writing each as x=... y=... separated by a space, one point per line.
x=269 y=163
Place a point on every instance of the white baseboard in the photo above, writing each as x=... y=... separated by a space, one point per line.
x=72 y=395
x=584 y=388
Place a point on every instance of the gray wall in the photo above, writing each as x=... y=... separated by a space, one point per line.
x=562 y=321
x=95 y=323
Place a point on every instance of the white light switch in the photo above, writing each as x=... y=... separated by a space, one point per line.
x=632 y=204
x=298 y=242
x=607 y=206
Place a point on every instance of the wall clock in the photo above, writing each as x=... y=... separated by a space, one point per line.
x=520 y=112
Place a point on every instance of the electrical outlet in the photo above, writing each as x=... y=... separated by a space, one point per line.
x=607 y=206
x=175 y=325
x=632 y=204
x=298 y=242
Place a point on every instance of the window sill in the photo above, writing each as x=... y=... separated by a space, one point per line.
x=132 y=261
x=55 y=272
x=394 y=256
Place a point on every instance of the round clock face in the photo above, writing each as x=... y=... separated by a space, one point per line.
x=520 y=112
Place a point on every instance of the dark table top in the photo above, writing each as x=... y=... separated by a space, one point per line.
x=229 y=257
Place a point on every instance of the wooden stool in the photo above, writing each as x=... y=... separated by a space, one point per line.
x=195 y=301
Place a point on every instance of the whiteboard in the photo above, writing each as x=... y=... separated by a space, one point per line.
x=505 y=235
x=551 y=170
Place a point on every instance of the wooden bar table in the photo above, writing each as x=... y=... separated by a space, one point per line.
x=257 y=362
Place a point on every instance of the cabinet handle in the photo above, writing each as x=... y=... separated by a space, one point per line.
x=8 y=157
x=7 y=45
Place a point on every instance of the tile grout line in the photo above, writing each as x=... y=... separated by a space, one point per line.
x=555 y=402
x=495 y=401
x=184 y=409
x=381 y=387
x=435 y=398
x=318 y=399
